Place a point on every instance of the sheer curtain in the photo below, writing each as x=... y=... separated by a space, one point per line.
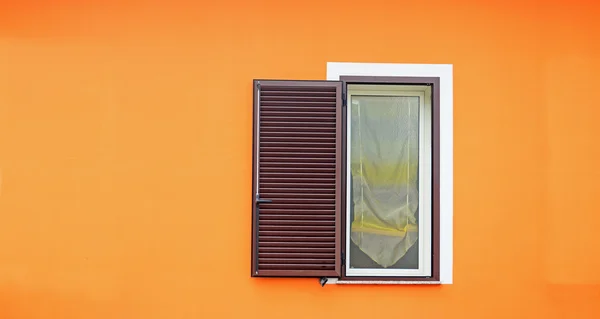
x=384 y=169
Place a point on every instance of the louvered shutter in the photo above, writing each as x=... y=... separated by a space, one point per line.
x=296 y=183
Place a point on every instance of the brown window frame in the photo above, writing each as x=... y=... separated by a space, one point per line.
x=434 y=82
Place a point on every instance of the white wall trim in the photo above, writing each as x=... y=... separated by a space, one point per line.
x=444 y=72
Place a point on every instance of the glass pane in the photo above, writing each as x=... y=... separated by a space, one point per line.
x=384 y=197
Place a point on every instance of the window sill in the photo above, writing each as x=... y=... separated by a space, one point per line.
x=335 y=281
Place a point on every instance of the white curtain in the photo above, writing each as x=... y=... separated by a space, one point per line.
x=384 y=168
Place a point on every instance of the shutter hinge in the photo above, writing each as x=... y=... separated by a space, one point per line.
x=344 y=99
x=258 y=85
x=323 y=281
x=343 y=259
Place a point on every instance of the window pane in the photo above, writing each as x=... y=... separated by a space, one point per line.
x=384 y=165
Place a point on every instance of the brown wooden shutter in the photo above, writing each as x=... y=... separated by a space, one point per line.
x=297 y=169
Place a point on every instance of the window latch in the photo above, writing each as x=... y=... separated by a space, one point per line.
x=262 y=200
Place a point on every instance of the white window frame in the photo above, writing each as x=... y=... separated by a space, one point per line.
x=425 y=119
x=444 y=72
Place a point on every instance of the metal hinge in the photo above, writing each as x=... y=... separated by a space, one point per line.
x=344 y=99
x=343 y=259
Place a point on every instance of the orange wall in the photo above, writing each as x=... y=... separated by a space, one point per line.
x=125 y=154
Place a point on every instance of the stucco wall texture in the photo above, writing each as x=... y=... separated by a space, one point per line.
x=125 y=154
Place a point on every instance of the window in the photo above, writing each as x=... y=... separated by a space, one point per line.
x=389 y=180
x=346 y=179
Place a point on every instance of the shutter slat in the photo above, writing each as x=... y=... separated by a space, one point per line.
x=297 y=167
x=330 y=154
x=328 y=100
x=310 y=130
x=297 y=250
x=297 y=102
x=301 y=127
x=296 y=223
x=305 y=234
x=300 y=170
x=293 y=255
x=300 y=198
x=323 y=136
x=307 y=206
x=306 y=119
x=295 y=176
x=296 y=185
x=282 y=127
x=277 y=114
x=313 y=261
x=315 y=267
x=297 y=190
x=266 y=93
x=282 y=216
x=292 y=180
x=293 y=212
x=303 y=144
x=266 y=227
x=298 y=244
x=309 y=114
x=284 y=239
x=297 y=149
x=299 y=162
x=297 y=86
x=289 y=166
x=308 y=195
x=288 y=108
x=326 y=139
x=302 y=201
